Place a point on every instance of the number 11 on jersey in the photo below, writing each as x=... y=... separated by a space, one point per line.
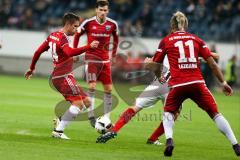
x=182 y=52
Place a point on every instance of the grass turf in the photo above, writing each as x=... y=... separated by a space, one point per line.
x=27 y=110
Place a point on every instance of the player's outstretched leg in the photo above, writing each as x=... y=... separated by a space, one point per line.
x=67 y=117
x=58 y=134
x=124 y=119
x=153 y=139
x=74 y=110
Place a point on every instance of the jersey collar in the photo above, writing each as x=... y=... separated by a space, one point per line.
x=99 y=22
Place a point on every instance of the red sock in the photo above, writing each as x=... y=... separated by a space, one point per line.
x=124 y=118
x=157 y=133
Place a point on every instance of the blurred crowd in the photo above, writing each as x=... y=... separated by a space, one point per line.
x=210 y=19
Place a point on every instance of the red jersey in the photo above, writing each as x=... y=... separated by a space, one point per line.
x=62 y=63
x=183 y=50
x=57 y=45
x=99 y=32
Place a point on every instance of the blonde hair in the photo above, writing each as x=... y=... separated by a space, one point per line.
x=178 y=22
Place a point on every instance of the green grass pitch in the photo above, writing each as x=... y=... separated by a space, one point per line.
x=27 y=110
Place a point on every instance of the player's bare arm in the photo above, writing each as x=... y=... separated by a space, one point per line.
x=156 y=68
x=28 y=74
x=217 y=72
x=42 y=48
x=215 y=56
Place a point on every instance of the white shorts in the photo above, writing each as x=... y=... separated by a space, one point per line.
x=151 y=94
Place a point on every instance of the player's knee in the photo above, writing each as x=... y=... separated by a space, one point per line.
x=92 y=87
x=108 y=91
x=87 y=102
x=107 y=88
x=78 y=104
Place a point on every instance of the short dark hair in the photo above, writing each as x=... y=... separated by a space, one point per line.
x=102 y=3
x=69 y=18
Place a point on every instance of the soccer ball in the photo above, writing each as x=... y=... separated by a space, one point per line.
x=103 y=124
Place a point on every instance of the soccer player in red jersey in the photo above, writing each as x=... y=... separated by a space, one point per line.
x=186 y=81
x=183 y=50
x=157 y=90
x=99 y=28
x=57 y=44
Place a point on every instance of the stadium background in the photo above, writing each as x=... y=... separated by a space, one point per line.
x=143 y=23
x=24 y=24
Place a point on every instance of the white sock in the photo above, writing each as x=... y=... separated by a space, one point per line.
x=91 y=95
x=107 y=104
x=67 y=117
x=225 y=128
x=168 y=122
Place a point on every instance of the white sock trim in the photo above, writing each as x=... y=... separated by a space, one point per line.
x=68 y=117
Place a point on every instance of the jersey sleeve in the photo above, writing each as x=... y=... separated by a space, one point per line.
x=70 y=52
x=204 y=51
x=42 y=48
x=76 y=38
x=83 y=26
x=160 y=53
x=116 y=29
x=115 y=40
x=80 y=31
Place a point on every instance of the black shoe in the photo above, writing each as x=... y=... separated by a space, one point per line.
x=92 y=121
x=236 y=148
x=106 y=137
x=169 y=147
